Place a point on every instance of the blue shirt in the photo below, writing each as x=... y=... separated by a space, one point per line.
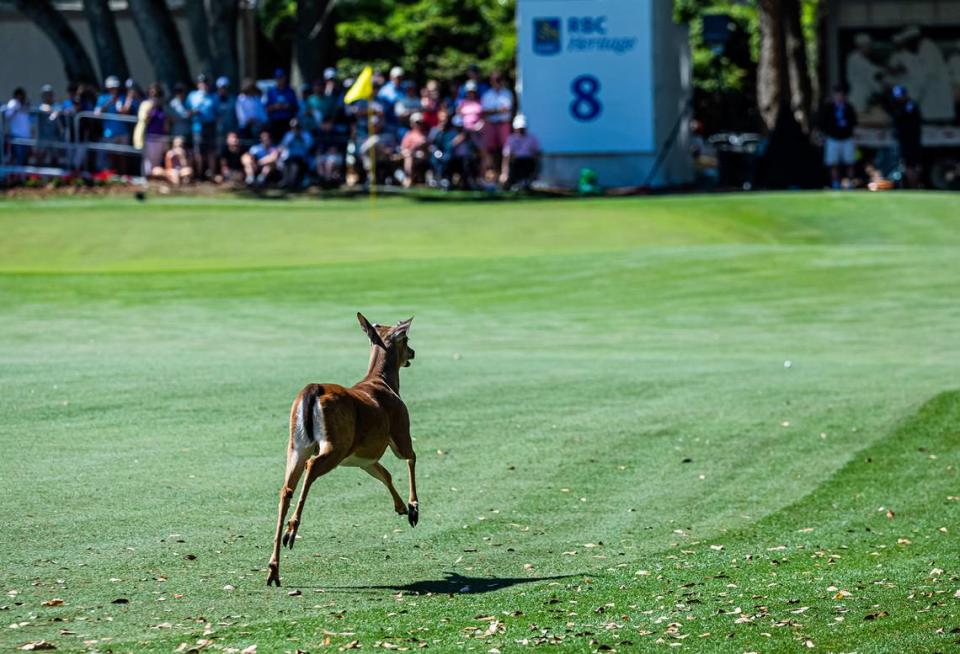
x=275 y=95
x=204 y=104
x=107 y=104
x=259 y=151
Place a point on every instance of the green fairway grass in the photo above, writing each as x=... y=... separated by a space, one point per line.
x=613 y=451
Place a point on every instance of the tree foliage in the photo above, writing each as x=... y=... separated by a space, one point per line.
x=429 y=38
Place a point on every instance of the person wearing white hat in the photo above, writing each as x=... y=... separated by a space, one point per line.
x=521 y=156
x=864 y=77
x=497 y=104
x=114 y=101
x=415 y=149
x=329 y=73
x=392 y=90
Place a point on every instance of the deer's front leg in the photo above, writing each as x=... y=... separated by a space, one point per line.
x=413 y=508
x=377 y=471
x=402 y=447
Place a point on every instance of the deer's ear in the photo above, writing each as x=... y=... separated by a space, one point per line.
x=370 y=331
x=400 y=329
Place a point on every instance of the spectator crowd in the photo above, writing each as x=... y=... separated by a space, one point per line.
x=465 y=134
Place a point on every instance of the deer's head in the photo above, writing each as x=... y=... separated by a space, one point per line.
x=393 y=339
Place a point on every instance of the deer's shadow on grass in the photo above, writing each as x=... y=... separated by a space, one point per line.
x=454 y=584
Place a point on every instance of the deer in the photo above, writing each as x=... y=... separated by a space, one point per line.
x=331 y=426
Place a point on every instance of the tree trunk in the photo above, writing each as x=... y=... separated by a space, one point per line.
x=161 y=40
x=315 y=38
x=783 y=74
x=106 y=39
x=199 y=29
x=801 y=88
x=76 y=62
x=773 y=89
x=223 y=17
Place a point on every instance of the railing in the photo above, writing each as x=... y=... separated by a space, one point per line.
x=68 y=146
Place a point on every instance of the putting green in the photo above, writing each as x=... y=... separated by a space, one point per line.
x=612 y=451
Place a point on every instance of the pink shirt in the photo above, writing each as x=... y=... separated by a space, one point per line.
x=521 y=146
x=412 y=140
x=472 y=113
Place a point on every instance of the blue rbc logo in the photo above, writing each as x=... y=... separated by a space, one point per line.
x=546 y=36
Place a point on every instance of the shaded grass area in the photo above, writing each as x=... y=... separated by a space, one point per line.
x=599 y=397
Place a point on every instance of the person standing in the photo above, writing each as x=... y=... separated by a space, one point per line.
x=497 y=104
x=49 y=128
x=251 y=114
x=152 y=131
x=282 y=105
x=17 y=115
x=837 y=121
x=226 y=110
x=115 y=132
x=203 y=112
x=908 y=125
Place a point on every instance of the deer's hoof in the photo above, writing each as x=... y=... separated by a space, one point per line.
x=273 y=577
x=413 y=514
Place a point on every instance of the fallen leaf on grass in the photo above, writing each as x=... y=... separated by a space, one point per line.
x=808 y=644
x=843 y=594
x=37 y=645
x=120 y=600
x=295 y=593
x=52 y=602
x=249 y=650
x=353 y=644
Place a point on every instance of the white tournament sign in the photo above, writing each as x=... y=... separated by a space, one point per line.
x=586 y=74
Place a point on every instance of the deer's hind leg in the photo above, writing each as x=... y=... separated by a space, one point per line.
x=326 y=460
x=298 y=454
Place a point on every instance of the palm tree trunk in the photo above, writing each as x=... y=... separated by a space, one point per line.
x=161 y=40
x=106 y=38
x=76 y=62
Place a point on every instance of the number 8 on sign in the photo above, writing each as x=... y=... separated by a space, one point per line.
x=585 y=105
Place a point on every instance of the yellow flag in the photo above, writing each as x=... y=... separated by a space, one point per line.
x=362 y=89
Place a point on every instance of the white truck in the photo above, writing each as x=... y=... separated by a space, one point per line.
x=873 y=45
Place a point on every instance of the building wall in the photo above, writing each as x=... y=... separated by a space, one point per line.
x=673 y=88
x=29 y=59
